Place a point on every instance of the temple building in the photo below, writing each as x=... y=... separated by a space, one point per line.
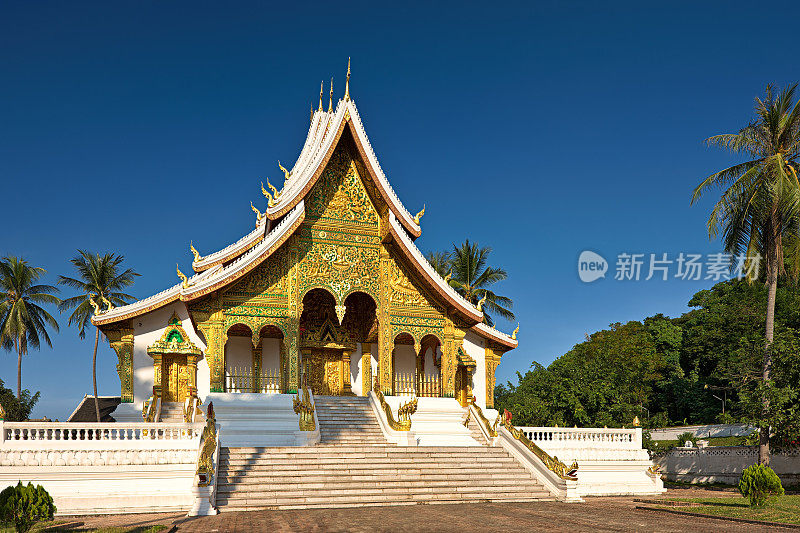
x=329 y=290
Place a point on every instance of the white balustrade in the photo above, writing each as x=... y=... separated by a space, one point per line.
x=581 y=444
x=96 y=436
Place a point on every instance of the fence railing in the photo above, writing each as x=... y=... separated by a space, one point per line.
x=109 y=435
x=554 y=437
x=268 y=381
x=414 y=384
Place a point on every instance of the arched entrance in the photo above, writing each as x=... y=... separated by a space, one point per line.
x=324 y=346
x=174 y=364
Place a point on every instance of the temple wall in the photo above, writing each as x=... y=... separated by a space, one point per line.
x=474 y=346
x=147 y=330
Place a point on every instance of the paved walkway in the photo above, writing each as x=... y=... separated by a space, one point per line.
x=596 y=515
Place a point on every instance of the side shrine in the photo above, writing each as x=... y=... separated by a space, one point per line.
x=328 y=288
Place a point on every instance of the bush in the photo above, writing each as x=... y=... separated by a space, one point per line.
x=688 y=435
x=24 y=505
x=760 y=484
x=17 y=410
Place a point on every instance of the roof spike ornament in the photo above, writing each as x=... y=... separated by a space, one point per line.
x=267 y=195
x=195 y=253
x=514 y=333
x=321 y=86
x=419 y=215
x=347 y=83
x=330 y=100
x=256 y=211
x=481 y=302
x=106 y=301
x=312 y=114
x=448 y=276
x=184 y=279
x=285 y=173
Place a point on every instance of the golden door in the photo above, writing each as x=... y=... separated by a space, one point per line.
x=323 y=372
x=174 y=378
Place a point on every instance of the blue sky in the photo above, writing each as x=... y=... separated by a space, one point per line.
x=541 y=129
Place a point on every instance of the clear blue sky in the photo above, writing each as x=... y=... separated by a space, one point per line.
x=541 y=130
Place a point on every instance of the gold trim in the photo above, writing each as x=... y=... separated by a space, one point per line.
x=404 y=412
x=305 y=408
x=552 y=463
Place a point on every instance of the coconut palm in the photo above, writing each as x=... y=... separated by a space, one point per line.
x=440 y=261
x=100 y=282
x=23 y=322
x=472 y=278
x=759 y=211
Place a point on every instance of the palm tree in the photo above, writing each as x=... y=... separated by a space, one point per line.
x=472 y=277
x=759 y=211
x=99 y=282
x=23 y=322
x=441 y=262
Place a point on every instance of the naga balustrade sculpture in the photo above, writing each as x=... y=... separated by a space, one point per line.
x=305 y=408
x=404 y=412
x=208 y=445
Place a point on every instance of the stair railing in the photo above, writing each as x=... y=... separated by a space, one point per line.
x=204 y=489
x=404 y=412
x=487 y=429
x=305 y=408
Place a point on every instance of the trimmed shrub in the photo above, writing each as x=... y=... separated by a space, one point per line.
x=760 y=484
x=24 y=505
x=687 y=436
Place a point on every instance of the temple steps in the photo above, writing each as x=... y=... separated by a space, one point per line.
x=354 y=466
x=171 y=412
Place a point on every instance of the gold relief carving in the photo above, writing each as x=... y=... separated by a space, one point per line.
x=212 y=326
x=270 y=277
x=341 y=269
x=492 y=359
x=122 y=343
x=339 y=193
x=403 y=292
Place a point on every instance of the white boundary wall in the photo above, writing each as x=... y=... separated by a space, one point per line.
x=98 y=468
x=724 y=464
x=610 y=461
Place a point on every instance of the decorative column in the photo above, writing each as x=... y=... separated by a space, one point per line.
x=366 y=368
x=213 y=327
x=157 y=364
x=303 y=378
x=191 y=362
x=492 y=360
x=347 y=388
x=122 y=343
x=255 y=384
x=385 y=341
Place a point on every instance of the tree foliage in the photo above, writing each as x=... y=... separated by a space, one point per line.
x=17 y=409
x=24 y=505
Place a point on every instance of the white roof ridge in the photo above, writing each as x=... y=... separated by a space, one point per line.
x=318 y=143
x=439 y=280
x=491 y=329
x=247 y=257
x=248 y=239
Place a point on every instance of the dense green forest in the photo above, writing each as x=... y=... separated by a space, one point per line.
x=668 y=370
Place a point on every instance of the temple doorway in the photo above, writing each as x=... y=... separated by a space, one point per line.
x=174 y=378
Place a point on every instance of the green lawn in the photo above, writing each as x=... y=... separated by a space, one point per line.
x=785 y=509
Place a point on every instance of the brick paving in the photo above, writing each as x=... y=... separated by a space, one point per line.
x=596 y=515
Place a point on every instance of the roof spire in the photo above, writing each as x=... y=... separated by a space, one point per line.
x=347 y=83
x=312 y=112
x=330 y=102
x=321 y=84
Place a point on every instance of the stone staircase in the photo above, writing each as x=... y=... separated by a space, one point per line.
x=354 y=466
x=171 y=412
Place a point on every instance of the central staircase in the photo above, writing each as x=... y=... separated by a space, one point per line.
x=353 y=466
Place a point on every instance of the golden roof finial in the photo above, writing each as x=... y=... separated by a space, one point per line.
x=256 y=211
x=347 y=83
x=481 y=302
x=184 y=279
x=419 y=215
x=92 y=301
x=266 y=194
x=312 y=113
x=195 y=253
x=514 y=333
x=107 y=302
x=330 y=101
x=285 y=173
x=321 y=85
x=448 y=276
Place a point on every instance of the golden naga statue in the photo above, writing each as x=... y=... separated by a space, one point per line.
x=184 y=279
x=107 y=302
x=256 y=211
x=514 y=333
x=285 y=174
x=419 y=215
x=195 y=253
x=205 y=461
x=481 y=302
x=92 y=301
